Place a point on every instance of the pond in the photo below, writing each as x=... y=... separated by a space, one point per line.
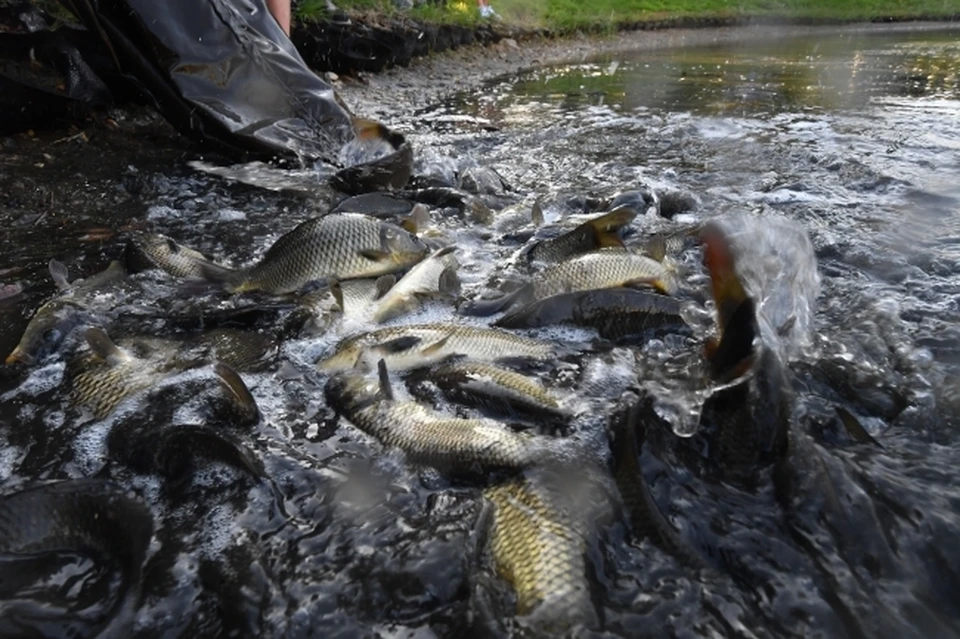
x=851 y=140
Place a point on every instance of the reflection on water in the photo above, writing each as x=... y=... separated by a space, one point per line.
x=836 y=72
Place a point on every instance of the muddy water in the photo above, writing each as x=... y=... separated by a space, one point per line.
x=855 y=140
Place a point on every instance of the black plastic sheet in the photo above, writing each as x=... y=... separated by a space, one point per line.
x=223 y=71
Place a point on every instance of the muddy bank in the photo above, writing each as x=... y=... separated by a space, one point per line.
x=399 y=91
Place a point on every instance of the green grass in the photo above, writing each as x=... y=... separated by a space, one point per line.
x=568 y=15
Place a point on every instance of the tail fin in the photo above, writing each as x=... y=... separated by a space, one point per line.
x=486 y=307
x=606 y=228
x=233 y=280
x=238 y=392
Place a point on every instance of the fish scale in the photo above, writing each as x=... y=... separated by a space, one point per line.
x=487 y=385
x=431 y=343
x=341 y=246
x=102 y=386
x=446 y=442
x=539 y=550
x=602 y=269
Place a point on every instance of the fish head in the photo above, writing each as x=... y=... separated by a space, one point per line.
x=403 y=247
x=346 y=356
x=46 y=331
x=351 y=390
x=735 y=352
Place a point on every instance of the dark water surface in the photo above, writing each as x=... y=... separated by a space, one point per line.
x=852 y=140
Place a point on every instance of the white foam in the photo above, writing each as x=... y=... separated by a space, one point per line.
x=40 y=380
x=231 y=215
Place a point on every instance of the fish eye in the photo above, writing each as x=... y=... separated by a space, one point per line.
x=52 y=336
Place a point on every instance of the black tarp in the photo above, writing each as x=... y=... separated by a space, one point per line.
x=223 y=71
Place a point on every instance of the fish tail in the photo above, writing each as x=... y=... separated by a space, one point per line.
x=233 y=280
x=606 y=228
x=484 y=308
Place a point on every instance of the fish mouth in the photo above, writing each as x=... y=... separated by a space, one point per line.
x=17 y=356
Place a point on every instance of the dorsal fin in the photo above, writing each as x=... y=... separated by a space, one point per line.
x=854 y=428
x=59 y=273
x=237 y=389
x=418 y=219
x=656 y=247
x=103 y=347
x=536 y=213
x=384 y=284
x=449 y=283
x=385 y=389
x=337 y=291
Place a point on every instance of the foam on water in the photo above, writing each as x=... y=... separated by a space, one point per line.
x=39 y=381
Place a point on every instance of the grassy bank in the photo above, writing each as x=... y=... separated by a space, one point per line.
x=567 y=15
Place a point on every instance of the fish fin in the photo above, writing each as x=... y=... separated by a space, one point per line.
x=230 y=279
x=418 y=219
x=374 y=255
x=449 y=283
x=400 y=344
x=337 y=291
x=536 y=213
x=103 y=347
x=436 y=346
x=656 y=248
x=386 y=390
x=606 y=228
x=485 y=307
x=446 y=250
x=369 y=129
x=237 y=388
x=173 y=246
x=384 y=284
x=59 y=273
x=854 y=428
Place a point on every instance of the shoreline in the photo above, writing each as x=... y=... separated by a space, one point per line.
x=392 y=93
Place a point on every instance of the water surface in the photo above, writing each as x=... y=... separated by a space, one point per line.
x=854 y=139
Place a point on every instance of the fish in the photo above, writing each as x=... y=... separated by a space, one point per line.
x=607 y=268
x=427 y=437
x=600 y=232
x=111 y=372
x=614 y=312
x=435 y=275
x=539 y=548
x=412 y=216
x=171 y=451
x=378 y=159
x=90 y=516
x=108 y=374
x=59 y=316
x=416 y=345
x=342 y=246
x=647 y=521
x=500 y=389
x=748 y=415
x=153 y=250
x=603 y=269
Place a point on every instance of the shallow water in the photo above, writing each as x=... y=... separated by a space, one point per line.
x=852 y=139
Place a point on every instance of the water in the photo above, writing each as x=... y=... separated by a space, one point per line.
x=852 y=140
